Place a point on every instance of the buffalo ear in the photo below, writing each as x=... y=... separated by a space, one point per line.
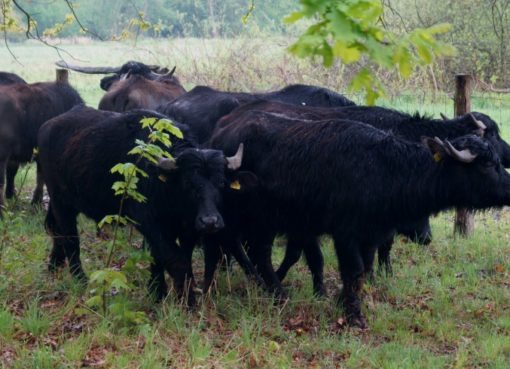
x=435 y=146
x=167 y=165
x=242 y=181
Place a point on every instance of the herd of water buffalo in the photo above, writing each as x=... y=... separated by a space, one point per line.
x=302 y=162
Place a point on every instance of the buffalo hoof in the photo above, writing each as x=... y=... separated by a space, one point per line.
x=281 y=297
x=55 y=263
x=79 y=275
x=36 y=200
x=357 y=321
x=320 y=292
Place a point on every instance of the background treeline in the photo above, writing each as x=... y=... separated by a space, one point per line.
x=481 y=28
x=168 y=18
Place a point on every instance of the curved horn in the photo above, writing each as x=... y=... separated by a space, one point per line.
x=167 y=164
x=443 y=117
x=465 y=156
x=478 y=123
x=125 y=76
x=171 y=73
x=439 y=141
x=88 y=70
x=234 y=162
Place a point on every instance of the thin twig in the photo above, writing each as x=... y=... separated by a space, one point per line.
x=83 y=28
x=6 y=41
x=37 y=37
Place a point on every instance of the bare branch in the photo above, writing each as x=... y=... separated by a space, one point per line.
x=37 y=37
x=6 y=42
x=83 y=28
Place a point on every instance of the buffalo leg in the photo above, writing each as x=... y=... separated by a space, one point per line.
x=57 y=255
x=384 y=256
x=12 y=169
x=167 y=255
x=260 y=253
x=351 y=263
x=178 y=266
x=157 y=283
x=212 y=256
x=61 y=223
x=315 y=261
x=39 y=188
x=368 y=255
x=293 y=252
x=3 y=165
x=187 y=243
x=234 y=247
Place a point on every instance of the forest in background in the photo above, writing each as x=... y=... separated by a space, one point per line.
x=479 y=33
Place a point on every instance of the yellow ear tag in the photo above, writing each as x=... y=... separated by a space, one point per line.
x=437 y=157
x=162 y=178
x=235 y=185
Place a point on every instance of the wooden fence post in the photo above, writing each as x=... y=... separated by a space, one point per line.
x=63 y=75
x=464 y=219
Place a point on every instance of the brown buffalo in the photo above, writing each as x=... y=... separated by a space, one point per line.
x=134 y=85
x=23 y=109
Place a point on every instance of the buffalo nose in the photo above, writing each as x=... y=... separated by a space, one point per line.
x=211 y=223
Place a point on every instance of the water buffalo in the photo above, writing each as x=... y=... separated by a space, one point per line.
x=134 y=85
x=411 y=127
x=23 y=109
x=203 y=106
x=10 y=78
x=355 y=183
x=77 y=151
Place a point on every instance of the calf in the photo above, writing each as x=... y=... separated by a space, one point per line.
x=77 y=151
x=23 y=109
x=355 y=183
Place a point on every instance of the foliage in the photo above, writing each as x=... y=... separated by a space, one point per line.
x=110 y=286
x=481 y=37
x=114 y=19
x=350 y=29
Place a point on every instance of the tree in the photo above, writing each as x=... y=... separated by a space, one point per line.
x=353 y=31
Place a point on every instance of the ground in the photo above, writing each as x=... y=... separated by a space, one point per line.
x=447 y=304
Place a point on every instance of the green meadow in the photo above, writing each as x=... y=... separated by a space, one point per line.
x=446 y=306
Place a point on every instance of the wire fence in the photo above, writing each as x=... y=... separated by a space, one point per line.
x=497 y=106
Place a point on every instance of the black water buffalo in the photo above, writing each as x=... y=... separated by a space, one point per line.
x=10 y=78
x=410 y=127
x=134 y=85
x=23 y=109
x=203 y=106
x=77 y=151
x=355 y=183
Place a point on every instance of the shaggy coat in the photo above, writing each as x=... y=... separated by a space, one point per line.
x=77 y=151
x=355 y=183
x=203 y=106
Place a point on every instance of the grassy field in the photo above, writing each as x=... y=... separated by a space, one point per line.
x=447 y=305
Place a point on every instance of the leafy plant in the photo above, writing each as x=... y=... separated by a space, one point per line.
x=109 y=286
x=350 y=29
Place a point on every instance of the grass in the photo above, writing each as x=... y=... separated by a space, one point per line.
x=448 y=304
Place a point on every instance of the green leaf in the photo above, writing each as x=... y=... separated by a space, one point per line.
x=94 y=301
x=346 y=53
x=294 y=17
